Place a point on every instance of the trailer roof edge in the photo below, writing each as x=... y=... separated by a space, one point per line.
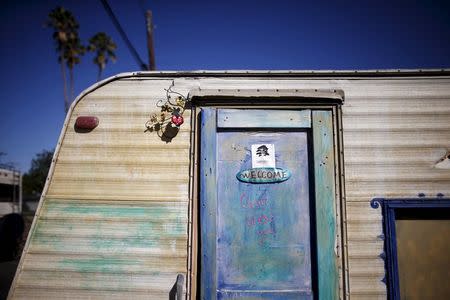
x=269 y=73
x=297 y=73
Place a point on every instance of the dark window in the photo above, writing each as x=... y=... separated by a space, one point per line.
x=417 y=247
x=7 y=193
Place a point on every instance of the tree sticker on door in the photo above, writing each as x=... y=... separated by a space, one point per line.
x=263 y=156
x=262 y=151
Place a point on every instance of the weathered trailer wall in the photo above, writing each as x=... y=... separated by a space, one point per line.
x=113 y=223
x=114 y=220
x=394 y=132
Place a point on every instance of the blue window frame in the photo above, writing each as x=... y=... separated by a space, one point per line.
x=397 y=209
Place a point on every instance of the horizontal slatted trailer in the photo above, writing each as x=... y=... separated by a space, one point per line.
x=120 y=215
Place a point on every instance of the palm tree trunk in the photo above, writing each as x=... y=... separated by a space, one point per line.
x=99 y=75
x=63 y=73
x=71 y=85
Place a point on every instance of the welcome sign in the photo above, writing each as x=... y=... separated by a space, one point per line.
x=263 y=175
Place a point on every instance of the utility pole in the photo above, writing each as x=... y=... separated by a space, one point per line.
x=151 y=50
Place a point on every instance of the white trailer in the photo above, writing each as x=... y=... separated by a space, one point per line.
x=163 y=176
x=10 y=191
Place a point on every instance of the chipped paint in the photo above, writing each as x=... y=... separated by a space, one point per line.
x=324 y=170
x=263 y=242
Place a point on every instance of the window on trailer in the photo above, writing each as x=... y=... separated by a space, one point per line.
x=417 y=247
x=423 y=248
x=7 y=192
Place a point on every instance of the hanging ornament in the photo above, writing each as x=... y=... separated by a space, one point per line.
x=171 y=113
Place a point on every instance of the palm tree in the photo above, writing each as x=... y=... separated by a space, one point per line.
x=104 y=48
x=72 y=54
x=68 y=45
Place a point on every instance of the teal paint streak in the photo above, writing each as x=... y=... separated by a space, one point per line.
x=103 y=210
x=97 y=242
x=258 y=266
x=122 y=244
x=180 y=228
x=101 y=236
x=325 y=204
x=101 y=265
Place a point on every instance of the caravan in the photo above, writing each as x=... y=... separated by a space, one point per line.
x=160 y=187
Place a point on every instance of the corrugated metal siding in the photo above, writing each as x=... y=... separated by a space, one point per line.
x=395 y=129
x=113 y=223
x=394 y=132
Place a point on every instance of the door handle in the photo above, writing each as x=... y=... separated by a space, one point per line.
x=176 y=293
x=180 y=284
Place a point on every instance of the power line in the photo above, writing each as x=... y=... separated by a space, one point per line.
x=124 y=36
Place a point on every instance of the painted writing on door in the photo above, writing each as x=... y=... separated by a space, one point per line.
x=262 y=229
x=262 y=222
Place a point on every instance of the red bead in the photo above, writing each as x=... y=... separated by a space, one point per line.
x=177 y=120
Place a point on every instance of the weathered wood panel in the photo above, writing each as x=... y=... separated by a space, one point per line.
x=324 y=176
x=263 y=230
x=208 y=202
x=259 y=118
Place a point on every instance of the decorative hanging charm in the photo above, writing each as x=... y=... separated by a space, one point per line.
x=167 y=122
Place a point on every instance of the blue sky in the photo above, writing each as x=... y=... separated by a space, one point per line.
x=194 y=35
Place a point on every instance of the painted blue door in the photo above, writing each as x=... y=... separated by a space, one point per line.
x=255 y=224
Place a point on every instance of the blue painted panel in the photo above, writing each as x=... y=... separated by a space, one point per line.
x=263 y=230
x=263 y=118
x=208 y=200
x=233 y=254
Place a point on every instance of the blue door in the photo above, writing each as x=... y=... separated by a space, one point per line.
x=255 y=205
